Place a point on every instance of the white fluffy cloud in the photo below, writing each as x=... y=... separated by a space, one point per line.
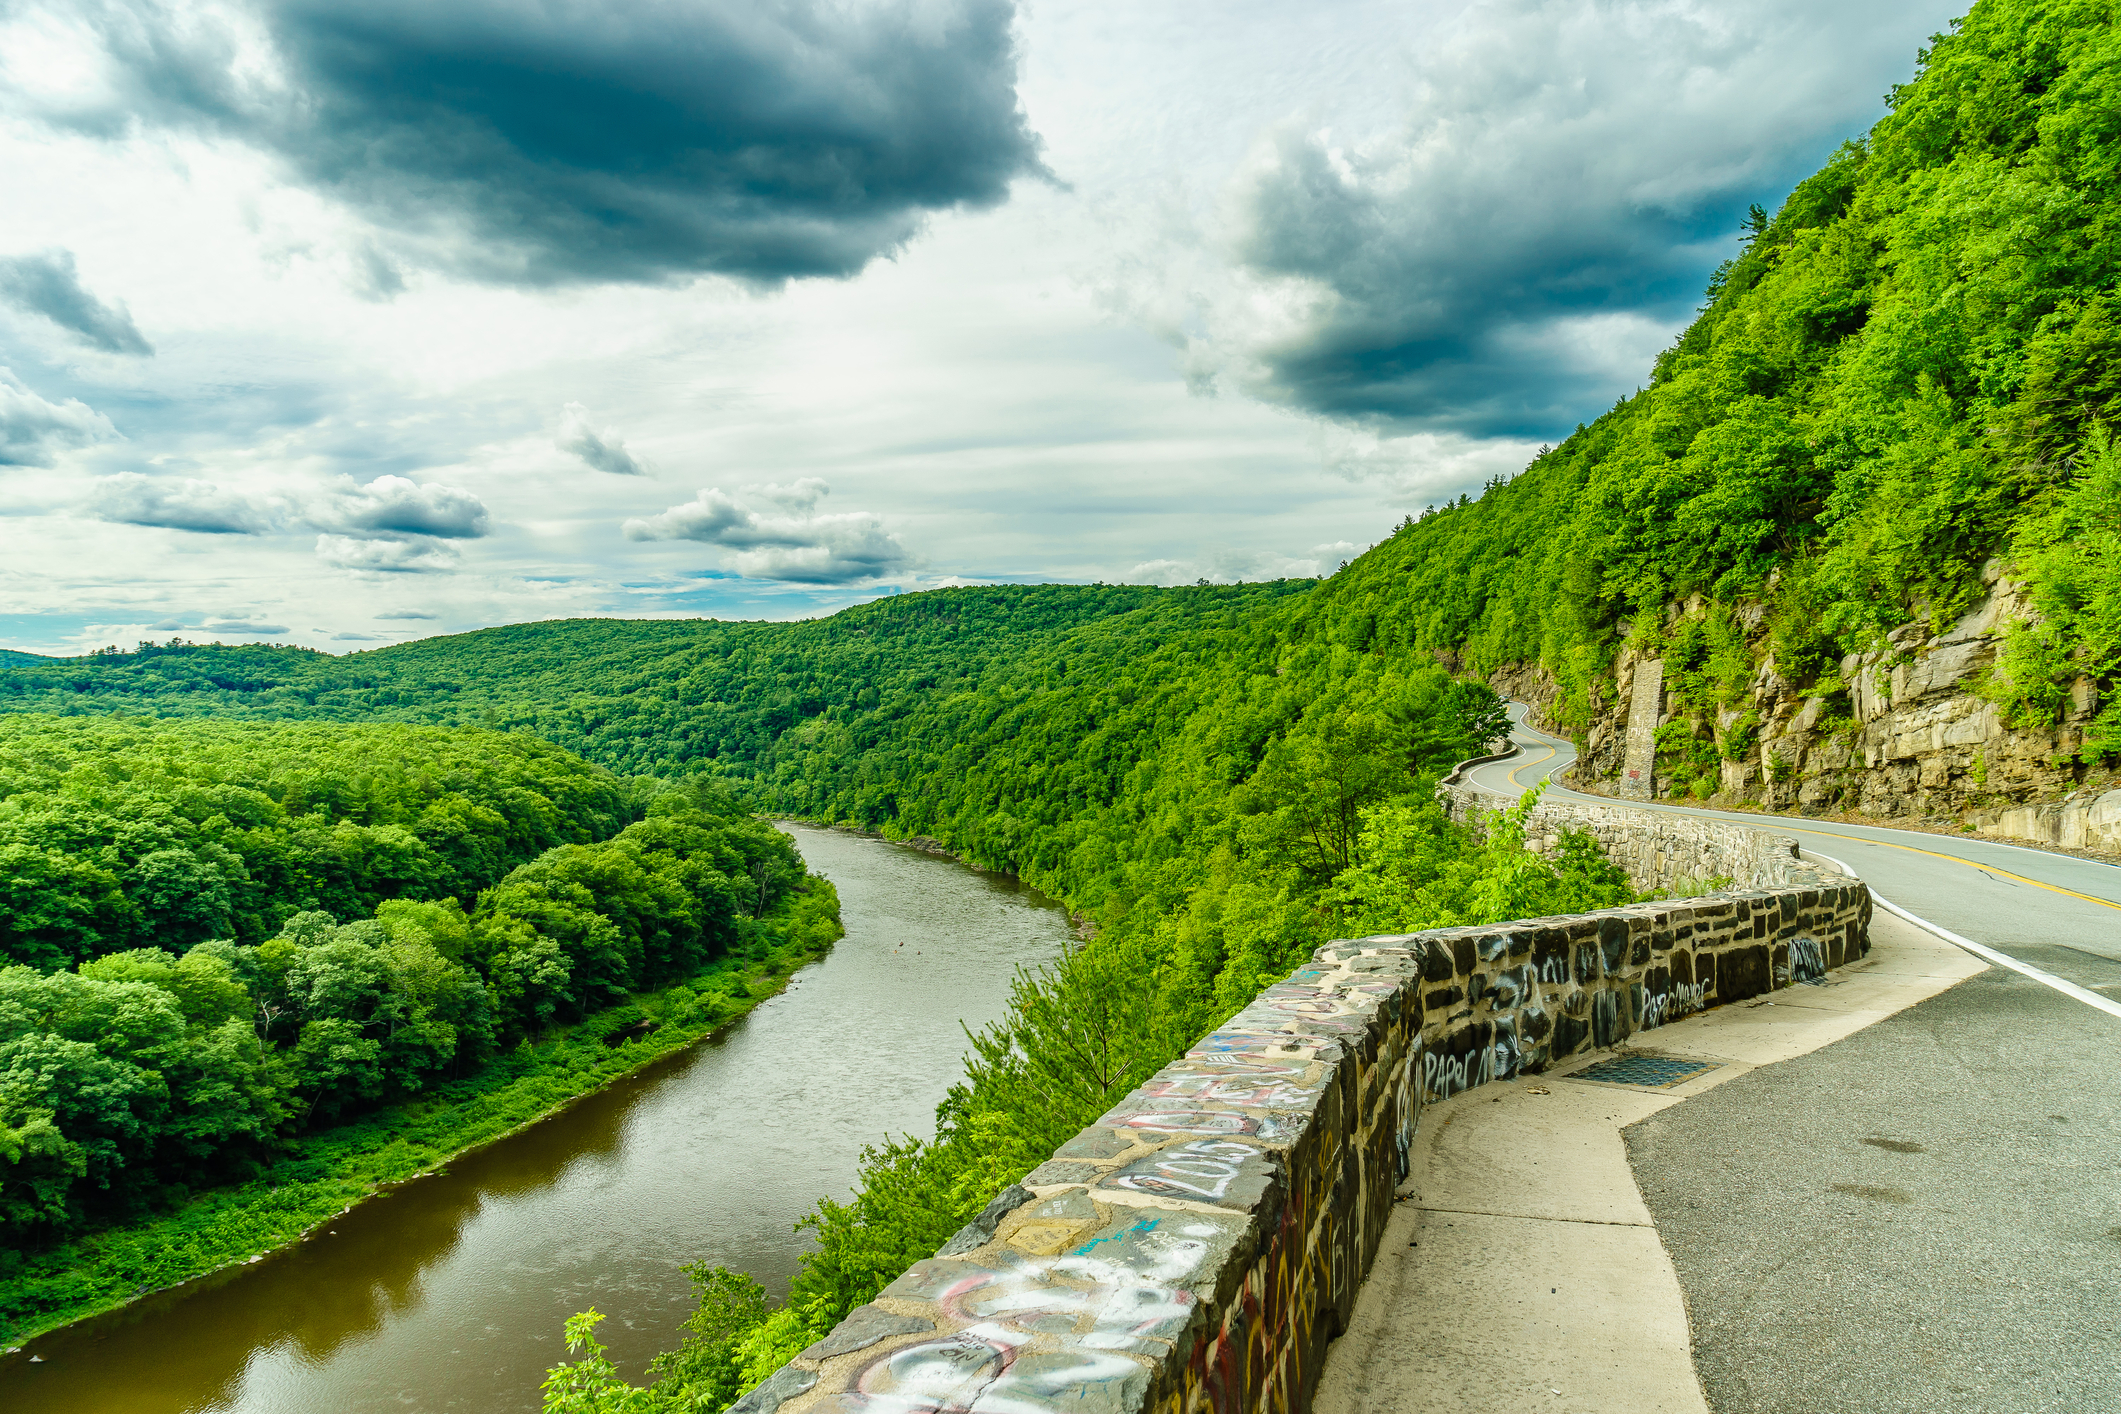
x=397 y=505
x=185 y=503
x=392 y=524
x=1226 y=565
x=408 y=556
x=34 y=431
x=798 y=546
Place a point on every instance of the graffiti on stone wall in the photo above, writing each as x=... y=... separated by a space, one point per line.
x=1259 y=1091
x=1131 y=1301
x=1672 y=1001
x=1203 y=1170
x=1277 y=1142
x=1199 y=1122
x=1407 y=1102
x=1474 y=1056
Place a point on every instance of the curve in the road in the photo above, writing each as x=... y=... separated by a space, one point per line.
x=2066 y=935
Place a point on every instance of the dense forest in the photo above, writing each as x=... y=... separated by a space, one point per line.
x=216 y=936
x=636 y=696
x=1908 y=369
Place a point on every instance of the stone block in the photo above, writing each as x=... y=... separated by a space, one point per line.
x=863 y=1327
x=1743 y=972
x=980 y=1230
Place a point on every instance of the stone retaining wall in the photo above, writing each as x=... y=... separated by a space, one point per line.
x=1196 y=1247
x=1672 y=853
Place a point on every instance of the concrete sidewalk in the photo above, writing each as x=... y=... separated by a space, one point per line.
x=1522 y=1270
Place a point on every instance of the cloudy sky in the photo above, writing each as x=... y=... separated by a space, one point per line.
x=338 y=322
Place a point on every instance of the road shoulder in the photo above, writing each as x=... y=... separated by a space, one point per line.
x=1522 y=1269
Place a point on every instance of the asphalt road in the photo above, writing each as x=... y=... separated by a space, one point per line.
x=2054 y=911
x=1925 y=1216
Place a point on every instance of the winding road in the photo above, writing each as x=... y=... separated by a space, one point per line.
x=2053 y=913
x=1926 y=1214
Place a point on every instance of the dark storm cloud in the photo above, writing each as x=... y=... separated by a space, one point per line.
x=46 y=284
x=1569 y=173
x=545 y=142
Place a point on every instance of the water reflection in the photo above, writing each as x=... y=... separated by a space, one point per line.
x=449 y=1293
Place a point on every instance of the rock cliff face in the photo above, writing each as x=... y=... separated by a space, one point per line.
x=1899 y=732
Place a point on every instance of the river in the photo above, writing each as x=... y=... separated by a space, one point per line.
x=448 y=1294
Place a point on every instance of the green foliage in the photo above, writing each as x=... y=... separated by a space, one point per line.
x=1890 y=383
x=638 y=696
x=1414 y=873
x=2070 y=553
x=591 y=1383
x=119 y=833
x=187 y=1044
x=310 y=1176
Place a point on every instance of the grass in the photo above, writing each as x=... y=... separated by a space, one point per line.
x=318 y=1176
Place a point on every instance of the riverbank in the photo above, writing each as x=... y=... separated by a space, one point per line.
x=320 y=1176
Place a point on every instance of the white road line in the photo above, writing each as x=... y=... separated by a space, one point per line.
x=1981 y=950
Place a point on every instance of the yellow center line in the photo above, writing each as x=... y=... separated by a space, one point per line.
x=1955 y=859
x=1908 y=848
x=1551 y=753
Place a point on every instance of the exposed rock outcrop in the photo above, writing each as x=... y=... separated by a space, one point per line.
x=1898 y=732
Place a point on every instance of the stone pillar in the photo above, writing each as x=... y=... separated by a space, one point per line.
x=1638 y=771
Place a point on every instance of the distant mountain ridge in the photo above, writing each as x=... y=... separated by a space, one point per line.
x=634 y=694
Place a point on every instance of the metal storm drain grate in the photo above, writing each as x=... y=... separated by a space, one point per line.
x=1653 y=1072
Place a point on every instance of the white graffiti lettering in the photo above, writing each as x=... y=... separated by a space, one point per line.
x=1215 y=1165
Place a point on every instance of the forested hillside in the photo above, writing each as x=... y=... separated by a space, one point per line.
x=1909 y=368
x=121 y=832
x=216 y=936
x=635 y=695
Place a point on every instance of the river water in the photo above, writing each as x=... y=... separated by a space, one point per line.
x=448 y=1294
